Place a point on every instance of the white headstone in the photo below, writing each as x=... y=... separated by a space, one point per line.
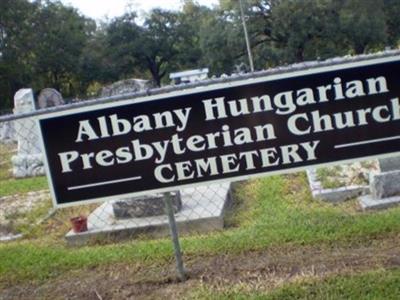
x=28 y=161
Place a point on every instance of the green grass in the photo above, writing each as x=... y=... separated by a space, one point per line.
x=380 y=284
x=346 y=174
x=25 y=260
x=26 y=222
x=329 y=177
x=6 y=151
x=274 y=211
x=10 y=185
x=20 y=186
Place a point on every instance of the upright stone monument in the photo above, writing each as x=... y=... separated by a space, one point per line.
x=385 y=187
x=49 y=97
x=28 y=161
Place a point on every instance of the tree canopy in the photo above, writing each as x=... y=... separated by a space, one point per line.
x=47 y=44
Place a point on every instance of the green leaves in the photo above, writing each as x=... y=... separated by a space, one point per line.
x=46 y=44
x=40 y=46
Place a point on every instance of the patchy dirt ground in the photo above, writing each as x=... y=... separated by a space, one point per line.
x=260 y=270
x=19 y=204
x=15 y=206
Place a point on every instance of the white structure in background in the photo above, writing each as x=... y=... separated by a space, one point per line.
x=7 y=132
x=28 y=161
x=126 y=86
x=189 y=76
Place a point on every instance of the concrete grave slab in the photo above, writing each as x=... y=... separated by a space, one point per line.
x=368 y=202
x=333 y=195
x=389 y=164
x=202 y=211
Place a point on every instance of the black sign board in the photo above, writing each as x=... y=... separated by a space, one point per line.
x=224 y=132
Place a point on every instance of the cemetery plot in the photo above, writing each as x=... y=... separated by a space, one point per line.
x=346 y=174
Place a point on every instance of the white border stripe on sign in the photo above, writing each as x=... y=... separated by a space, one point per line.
x=367 y=142
x=79 y=187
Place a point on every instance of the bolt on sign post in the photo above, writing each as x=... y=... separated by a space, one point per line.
x=224 y=132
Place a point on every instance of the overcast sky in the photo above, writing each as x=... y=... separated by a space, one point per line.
x=97 y=9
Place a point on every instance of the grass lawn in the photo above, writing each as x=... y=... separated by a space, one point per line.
x=24 y=185
x=6 y=151
x=272 y=212
x=10 y=185
x=378 y=285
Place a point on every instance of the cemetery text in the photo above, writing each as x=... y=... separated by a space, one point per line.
x=229 y=131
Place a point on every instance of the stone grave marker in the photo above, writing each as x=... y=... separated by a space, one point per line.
x=145 y=206
x=49 y=97
x=384 y=186
x=28 y=161
x=389 y=164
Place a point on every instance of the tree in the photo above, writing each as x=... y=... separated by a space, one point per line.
x=17 y=18
x=220 y=45
x=391 y=9
x=62 y=35
x=363 y=23
x=191 y=20
x=158 y=43
x=305 y=30
x=150 y=48
x=46 y=44
x=258 y=14
x=121 y=46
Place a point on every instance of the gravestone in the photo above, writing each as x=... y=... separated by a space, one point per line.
x=384 y=186
x=203 y=210
x=28 y=161
x=389 y=164
x=49 y=98
x=145 y=206
x=126 y=87
x=7 y=132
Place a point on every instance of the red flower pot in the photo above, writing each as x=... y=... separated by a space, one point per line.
x=79 y=224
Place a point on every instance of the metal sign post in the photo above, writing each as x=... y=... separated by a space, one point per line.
x=175 y=238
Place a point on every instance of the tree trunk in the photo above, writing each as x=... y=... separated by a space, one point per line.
x=155 y=71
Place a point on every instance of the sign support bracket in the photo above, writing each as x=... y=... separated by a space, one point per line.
x=174 y=235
